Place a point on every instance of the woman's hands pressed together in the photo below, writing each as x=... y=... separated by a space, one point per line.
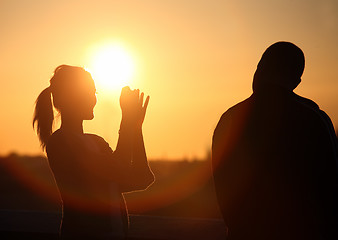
x=133 y=106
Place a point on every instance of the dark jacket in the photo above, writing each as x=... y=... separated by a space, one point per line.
x=274 y=168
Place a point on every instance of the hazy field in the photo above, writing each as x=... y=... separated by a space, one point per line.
x=182 y=188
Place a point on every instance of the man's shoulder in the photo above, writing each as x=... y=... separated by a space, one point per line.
x=238 y=108
x=313 y=109
x=306 y=102
x=232 y=115
x=310 y=108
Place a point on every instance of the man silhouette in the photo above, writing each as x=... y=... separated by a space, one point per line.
x=274 y=157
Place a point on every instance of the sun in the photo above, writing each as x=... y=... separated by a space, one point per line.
x=112 y=68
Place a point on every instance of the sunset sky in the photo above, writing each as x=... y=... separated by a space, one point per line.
x=194 y=58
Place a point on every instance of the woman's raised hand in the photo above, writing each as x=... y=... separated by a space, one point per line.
x=133 y=106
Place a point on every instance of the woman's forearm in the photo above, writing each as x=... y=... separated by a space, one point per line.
x=140 y=162
x=124 y=147
x=130 y=147
x=139 y=151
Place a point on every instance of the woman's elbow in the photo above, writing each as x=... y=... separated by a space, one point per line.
x=140 y=183
x=147 y=180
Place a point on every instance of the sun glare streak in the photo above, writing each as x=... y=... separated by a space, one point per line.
x=112 y=68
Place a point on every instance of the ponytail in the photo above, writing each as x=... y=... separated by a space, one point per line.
x=44 y=116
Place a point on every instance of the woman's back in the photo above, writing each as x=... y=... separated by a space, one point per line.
x=92 y=204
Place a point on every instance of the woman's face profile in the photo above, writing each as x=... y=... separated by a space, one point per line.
x=81 y=98
x=87 y=99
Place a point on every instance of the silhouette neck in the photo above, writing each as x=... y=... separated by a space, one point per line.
x=266 y=87
x=71 y=125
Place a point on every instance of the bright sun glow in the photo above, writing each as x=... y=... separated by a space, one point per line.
x=112 y=68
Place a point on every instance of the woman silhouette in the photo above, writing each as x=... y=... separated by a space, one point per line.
x=90 y=176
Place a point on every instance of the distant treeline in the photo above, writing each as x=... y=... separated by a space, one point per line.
x=182 y=188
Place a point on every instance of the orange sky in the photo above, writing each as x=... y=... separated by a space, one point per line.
x=194 y=58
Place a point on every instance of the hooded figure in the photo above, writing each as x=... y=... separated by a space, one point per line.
x=274 y=157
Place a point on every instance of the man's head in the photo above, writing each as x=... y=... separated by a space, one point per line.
x=282 y=64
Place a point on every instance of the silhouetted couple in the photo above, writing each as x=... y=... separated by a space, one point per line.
x=275 y=158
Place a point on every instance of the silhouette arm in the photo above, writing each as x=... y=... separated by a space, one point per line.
x=130 y=156
x=140 y=166
x=130 y=152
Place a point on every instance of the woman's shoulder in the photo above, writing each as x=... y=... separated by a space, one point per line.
x=58 y=142
x=61 y=141
x=56 y=138
x=95 y=137
x=101 y=143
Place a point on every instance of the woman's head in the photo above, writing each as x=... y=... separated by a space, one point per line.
x=71 y=92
